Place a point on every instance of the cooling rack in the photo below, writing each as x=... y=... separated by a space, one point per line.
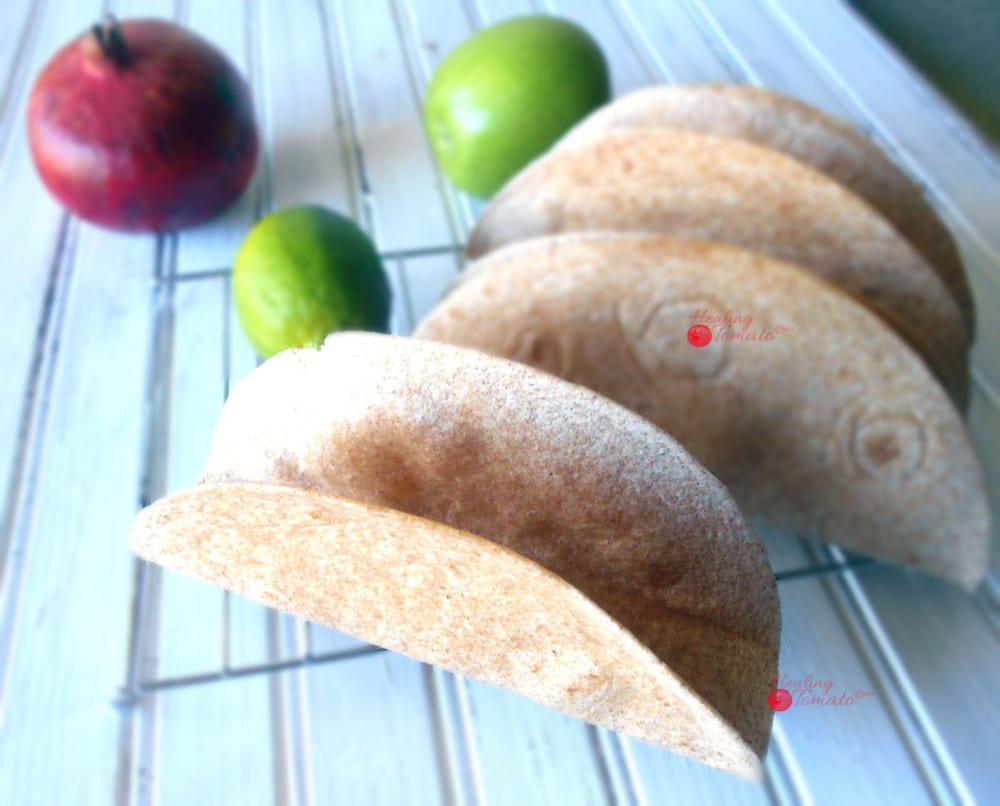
x=122 y=682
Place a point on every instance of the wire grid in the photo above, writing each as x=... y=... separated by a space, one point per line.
x=141 y=678
x=294 y=647
x=142 y=675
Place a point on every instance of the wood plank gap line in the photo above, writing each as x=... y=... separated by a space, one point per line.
x=955 y=121
x=474 y=14
x=714 y=40
x=289 y=737
x=135 y=779
x=889 y=141
x=137 y=741
x=281 y=742
x=16 y=526
x=655 y=67
x=609 y=771
x=982 y=383
x=263 y=189
x=466 y=721
x=341 y=108
x=28 y=417
x=299 y=685
x=341 y=73
x=17 y=78
x=457 y=207
x=227 y=338
x=404 y=284
x=289 y=713
x=784 y=781
x=630 y=788
x=638 y=793
x=737 y=63
x=452 y=748
x=988 y=601
x=929 y=750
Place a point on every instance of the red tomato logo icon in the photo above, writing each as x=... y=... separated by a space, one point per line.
x=699 y=335
x=780 y=699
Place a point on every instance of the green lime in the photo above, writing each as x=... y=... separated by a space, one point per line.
x=505 y=95
x=303 y=272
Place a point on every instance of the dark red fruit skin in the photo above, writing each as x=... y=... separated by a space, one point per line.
x=160 y=143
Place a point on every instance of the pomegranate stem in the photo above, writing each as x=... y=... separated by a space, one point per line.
x=109 y=36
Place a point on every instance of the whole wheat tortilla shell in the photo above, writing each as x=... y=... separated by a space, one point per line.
x=412 y=493
x=803 y=132
x=689 y=184
x=830 y=426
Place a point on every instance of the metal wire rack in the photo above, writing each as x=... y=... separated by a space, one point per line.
x=691 y=40
x=301 y=644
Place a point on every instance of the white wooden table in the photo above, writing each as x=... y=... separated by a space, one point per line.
x=117 y=354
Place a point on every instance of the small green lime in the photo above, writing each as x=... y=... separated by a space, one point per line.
x=304 y=272
x=508 y=93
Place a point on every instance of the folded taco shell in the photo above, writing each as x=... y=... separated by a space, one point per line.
x=796 y=129
x=684 y=183
x=480 y=515
x=812 y=411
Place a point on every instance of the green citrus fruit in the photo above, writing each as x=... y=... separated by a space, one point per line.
x=505 y=95
x=303 y=272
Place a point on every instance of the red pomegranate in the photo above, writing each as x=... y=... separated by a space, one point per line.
x=142 y=126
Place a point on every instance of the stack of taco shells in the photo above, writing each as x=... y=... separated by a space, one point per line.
x=704 y=303
x=829 y=396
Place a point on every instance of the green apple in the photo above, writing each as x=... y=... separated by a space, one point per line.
x=506 y=94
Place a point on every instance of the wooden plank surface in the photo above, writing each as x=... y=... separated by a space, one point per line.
x=338 y=87
x=72 y=602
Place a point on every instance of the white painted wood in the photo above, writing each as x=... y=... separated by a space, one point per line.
x=628 y=70
x=305 y=133
x=962 y=173
x=330 y=79
x=163 y=9
x=59 y=729
x=489 y=12
x=943 y=657
x=427 y=281
x=371 y=70
x=30 y=222
x=529 y=754
x=854 y=752
x=16 y=38
x=668 y=778
x=430 y=30
x=879 y=84
x=191 y=627
x=228 y=24
x=372 y=733
x=679 y=46
x=214 y=745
